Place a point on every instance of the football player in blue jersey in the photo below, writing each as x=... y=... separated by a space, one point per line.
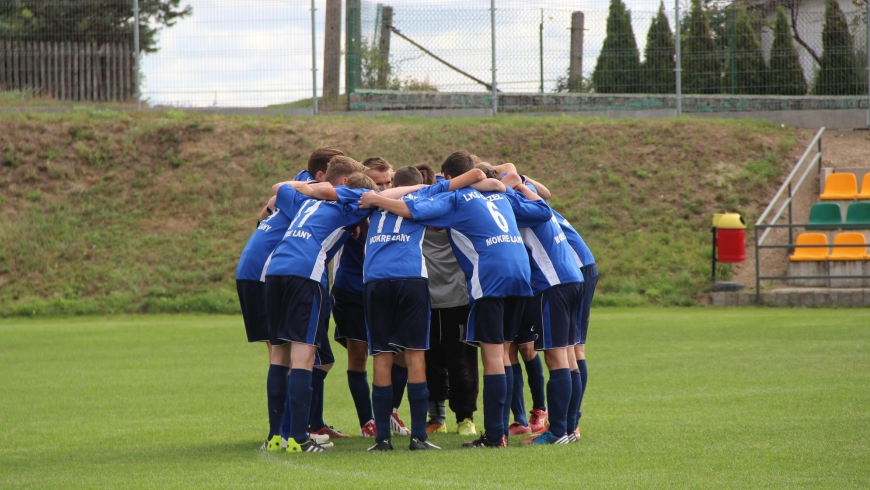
x=397 y=304
x=558 y=286
x=296 y=300
x=488 y=246
x=317 y=165
x=274 y=220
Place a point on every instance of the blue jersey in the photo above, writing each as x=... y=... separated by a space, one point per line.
x=347 y=266
x=552 y=260
x=269 y=232
x=485 y=238
x=394 y=246
x=582 y=252
x=304 y=176
x=316 y=233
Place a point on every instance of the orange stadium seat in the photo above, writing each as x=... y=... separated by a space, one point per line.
x=849 y=253
x=810 y=254
x=842 y=186
x=865 y=187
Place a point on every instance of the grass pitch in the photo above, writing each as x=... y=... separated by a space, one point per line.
x=698 y=398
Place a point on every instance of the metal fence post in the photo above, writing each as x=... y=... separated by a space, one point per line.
x=678 y=70
x=313 y=60
x=136 y=76
x=541 y=49
x=494 y=96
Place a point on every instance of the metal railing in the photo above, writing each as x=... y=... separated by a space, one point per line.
x=815 y=161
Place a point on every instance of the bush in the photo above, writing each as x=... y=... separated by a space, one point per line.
x=786 y=73
x=746 y=69
x=658 y=66
x=700 y=60
x=618 y=67
x=837 y=68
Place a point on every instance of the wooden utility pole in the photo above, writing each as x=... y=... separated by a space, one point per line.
x=384 y=48
x=575 y=67
x=332 y=52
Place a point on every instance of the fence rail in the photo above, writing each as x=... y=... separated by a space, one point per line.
x=67 y=70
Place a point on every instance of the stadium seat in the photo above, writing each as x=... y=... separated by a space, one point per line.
x=857 y=216
x=810 y=254
x=825 y=216
x=865 y=187
x=849 y=253
x=842 y=186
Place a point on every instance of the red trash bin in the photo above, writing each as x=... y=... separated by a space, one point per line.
x=730 y=238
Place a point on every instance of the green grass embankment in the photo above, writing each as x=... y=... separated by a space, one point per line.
x=147 y=212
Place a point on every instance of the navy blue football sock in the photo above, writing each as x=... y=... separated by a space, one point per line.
x=358 y=383
x=418 y=399
x=508 y=396
x=382 y=403
x=584 y=377
x=287 y=423
x=574 y=402
x=494 y=391
x=518 y=399
x=315 y=417
x=300 y=403
x=399 y=378
x=535 y=373
x=276 y=396
x=558 y=396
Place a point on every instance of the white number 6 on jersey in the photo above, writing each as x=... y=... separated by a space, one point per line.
x=498 y=217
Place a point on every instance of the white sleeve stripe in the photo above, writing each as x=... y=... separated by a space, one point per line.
x=539 y=255
x=266 y=267
x=466 y=248
x=320 y=264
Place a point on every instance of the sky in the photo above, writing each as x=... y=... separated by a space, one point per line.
x=258 y=52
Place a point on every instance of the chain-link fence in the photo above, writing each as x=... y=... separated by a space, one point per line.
x=259 y=53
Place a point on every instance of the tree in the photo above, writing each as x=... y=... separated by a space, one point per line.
x=100 y=21
x=837 y=67
x=618 y=67
x=658 y=65
x=700 y=59
x=746 y=68
x=786 y=73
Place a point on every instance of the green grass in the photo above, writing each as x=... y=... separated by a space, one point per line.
x=700 y=398
x=129 y=212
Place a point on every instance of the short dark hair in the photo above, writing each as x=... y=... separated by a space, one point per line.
x=406 y=176
x=488 y=170
x=378 y=164
x=320 y=158
x=341 y=166
x=359 y=180
x=457 y=164
x=427 y=172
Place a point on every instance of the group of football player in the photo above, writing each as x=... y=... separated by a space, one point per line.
x=428 y=269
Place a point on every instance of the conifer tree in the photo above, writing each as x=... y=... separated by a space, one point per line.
x=837 y=68
x=747 y=69
x=786 y=74
x=618 y=68
x=700 y=59
x=658 y=66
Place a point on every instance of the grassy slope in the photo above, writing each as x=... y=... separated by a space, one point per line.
x=121 y=212
x=688 y=398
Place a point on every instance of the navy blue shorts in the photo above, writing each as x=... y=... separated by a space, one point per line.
x=556 y=311
x=350 y=319
x=324 y=354
x=494 y=320
x=297 y=309
x=526 y=331
x=252 y=298
x=590 y=276
x=397 y=315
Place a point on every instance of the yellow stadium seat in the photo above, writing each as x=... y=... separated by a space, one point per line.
x=810 y=254
x=849 y=253
x=865 y=187
x=842 y=186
